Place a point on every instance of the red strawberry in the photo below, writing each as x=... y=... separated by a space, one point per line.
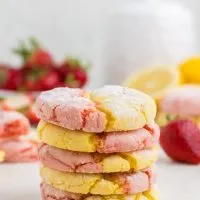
x=34 y=56
x=50 y=80
x=73 y=73
x=10 y=79
x=32 y=85
x=39 y=58
x=15 y=79
x=33 y=77
x=40 y=79
x=80 y=74
x=3 y=75
x=180 y=139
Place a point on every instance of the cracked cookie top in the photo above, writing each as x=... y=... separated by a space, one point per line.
x=112 y=142
x=102 y=184
x=80 y=162
x=110 y=108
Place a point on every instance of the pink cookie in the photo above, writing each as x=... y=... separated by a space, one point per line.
x=70 y=109
x=182 y=101
x=70 y=161
x=19 y=150
x=51 y=193
x=13 y=124
x=129 y=141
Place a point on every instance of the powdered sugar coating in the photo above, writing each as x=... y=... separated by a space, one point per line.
x=70 y=109
x=111 y=108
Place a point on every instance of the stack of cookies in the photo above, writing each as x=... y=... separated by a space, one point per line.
x=97 y=145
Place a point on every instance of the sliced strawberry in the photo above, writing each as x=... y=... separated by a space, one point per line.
x=180 y=139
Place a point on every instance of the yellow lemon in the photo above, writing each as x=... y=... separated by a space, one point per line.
x=154 y=81
x=190 y=70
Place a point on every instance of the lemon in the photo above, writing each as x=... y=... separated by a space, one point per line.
x=190 y=70
x=154 y=81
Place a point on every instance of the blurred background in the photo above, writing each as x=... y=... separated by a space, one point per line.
x=156 y=32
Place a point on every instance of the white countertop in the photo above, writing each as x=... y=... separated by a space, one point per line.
x=175 y=181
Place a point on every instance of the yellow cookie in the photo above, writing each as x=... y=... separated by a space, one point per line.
x=90 y=142
x=102 y=184
x=126 y=109
x=152 y=194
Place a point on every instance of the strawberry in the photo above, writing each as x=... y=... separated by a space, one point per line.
x=32 y=79
x=80 y=74
x=180 y=139
x=40 y=79
x=10 y=78
x=50 y=80
x=15 y=79
x=39 y=57
x=3 y=75
x=76 y=78
x=35 y=56
x=73 y=73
